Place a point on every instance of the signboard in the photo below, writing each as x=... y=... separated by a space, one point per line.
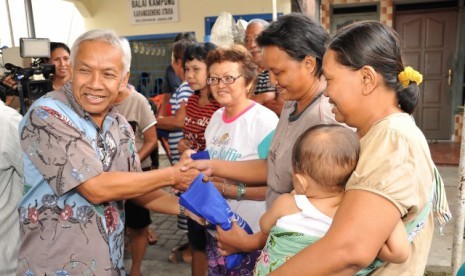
x=153 y=11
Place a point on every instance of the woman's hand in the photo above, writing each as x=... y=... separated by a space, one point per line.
x=231 y=241
x=184 y=145
x=204 y=166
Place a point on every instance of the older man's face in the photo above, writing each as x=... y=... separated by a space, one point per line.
x=251 y=34
x=98 y=77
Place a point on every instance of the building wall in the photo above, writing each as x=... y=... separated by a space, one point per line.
x=115 y=14
x=386 y=10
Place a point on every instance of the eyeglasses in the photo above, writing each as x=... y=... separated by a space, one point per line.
x=226 y=80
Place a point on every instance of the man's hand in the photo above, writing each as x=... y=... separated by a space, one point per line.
x=184 y=178
x=9 y=81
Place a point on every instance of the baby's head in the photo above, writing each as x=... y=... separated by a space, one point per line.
x=327 y=154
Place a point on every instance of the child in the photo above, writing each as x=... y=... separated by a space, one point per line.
x=198 y=113
x=323 y=159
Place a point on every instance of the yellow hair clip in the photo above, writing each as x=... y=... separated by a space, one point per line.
x=409 y=74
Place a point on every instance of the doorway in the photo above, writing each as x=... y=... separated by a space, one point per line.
x=428 y=42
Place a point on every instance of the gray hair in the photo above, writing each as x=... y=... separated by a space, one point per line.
x=259 y=21
x=108 y=36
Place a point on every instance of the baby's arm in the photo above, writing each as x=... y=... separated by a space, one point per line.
x=397 y=247
x=283 y=205
x=237 y=240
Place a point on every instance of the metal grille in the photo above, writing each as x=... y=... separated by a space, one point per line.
x=152 y=56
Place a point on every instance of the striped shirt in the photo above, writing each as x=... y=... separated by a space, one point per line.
x=263 y=84
x=182 y=94
x=196 y=121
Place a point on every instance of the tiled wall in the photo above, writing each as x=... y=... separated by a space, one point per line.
x=386 y=10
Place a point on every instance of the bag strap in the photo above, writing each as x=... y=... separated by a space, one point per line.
x=413 y=227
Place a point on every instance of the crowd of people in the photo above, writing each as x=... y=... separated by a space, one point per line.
x=298 y=126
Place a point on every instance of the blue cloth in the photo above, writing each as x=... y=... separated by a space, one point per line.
x=200 y=155
x=203 y=199
x=461 y=271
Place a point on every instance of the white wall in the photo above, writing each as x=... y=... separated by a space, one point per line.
x=61 y=21
x=58 y=20
x=64 y=20
x=115 y=14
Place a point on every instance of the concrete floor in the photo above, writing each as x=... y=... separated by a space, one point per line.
x=441 y=248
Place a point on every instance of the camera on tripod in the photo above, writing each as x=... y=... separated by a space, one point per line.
x=32 y=82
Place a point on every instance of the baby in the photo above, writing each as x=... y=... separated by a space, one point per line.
x=323 y=159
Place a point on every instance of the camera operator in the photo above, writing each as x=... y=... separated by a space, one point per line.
x=57 y=75
x=8 y=86
x=59 y=56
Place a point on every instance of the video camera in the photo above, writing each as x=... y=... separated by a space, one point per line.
x=33 y=82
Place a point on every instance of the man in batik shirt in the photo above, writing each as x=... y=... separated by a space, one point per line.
x=80 y=163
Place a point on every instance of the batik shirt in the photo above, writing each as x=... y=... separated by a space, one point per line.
x=62 y=233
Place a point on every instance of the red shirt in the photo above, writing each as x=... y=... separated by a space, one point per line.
x=197 y=119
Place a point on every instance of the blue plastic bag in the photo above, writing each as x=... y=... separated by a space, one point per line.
x=200 y=155
x=204 y=200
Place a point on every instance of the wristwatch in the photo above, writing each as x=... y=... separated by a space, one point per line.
x=182 y=210
x=240 y=191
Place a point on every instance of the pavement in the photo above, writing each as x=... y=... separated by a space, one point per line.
x=156 y=260
x=440 y=256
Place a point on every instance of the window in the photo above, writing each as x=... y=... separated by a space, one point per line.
x=342 y=16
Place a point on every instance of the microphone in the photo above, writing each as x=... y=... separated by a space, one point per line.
x=11 y=67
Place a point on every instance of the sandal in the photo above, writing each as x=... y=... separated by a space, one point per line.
x=153 y=237
x=181 y=253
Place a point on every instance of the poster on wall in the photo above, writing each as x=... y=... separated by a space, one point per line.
x=153 y=11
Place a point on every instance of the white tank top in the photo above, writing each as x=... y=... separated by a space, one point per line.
x=309 y=221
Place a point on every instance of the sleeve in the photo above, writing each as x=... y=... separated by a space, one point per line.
x=264 y=145
x=387 y=168
x=146 y=117
x=184 y=94
x=58 y=149
x=10 y=155
x=266 y=122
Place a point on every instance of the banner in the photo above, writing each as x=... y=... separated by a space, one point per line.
x=153 y=11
